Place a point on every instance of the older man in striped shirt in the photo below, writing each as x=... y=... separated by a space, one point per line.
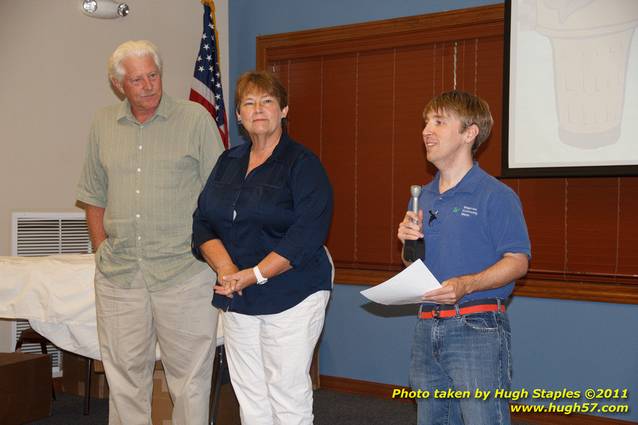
x=148 y=158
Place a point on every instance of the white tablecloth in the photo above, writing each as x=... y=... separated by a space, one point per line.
x=56 y=295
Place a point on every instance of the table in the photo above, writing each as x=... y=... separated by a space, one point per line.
x=56 y=295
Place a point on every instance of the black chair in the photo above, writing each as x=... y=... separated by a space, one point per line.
x=87 y=387
x=220 y=373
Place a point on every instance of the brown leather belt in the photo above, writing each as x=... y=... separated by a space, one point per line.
x=444 y=311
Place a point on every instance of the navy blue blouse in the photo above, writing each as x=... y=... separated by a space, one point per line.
x=284 y=205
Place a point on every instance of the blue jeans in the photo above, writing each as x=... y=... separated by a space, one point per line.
x=463 y=353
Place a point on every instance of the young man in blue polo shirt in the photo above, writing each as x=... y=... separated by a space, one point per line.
x=476 y=244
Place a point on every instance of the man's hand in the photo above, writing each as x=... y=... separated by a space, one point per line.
x=511 y=267
x=451 y=291
x=95 y=225
x=411 y=228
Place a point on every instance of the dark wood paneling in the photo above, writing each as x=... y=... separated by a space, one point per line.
x=280 y=69
x=305 y=116
x=467 y=60
x=544 y=206
x=628 y=227
x=591 y=227
x=375 y=137
x=338 y=154
x=489 y=77
x=443 y=67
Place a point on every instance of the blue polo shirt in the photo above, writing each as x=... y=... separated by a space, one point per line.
x=475 y=223
x=285 y=206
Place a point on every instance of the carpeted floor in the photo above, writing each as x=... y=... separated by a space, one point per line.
x=331 y=408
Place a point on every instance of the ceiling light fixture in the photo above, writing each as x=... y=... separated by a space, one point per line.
x=105 y=9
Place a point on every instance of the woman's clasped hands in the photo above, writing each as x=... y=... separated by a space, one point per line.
x=231 y=280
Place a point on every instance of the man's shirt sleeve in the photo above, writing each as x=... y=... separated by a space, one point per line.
x=92 y=187
x=509 y=230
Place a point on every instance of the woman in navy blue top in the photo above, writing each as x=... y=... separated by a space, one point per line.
x=261 y=222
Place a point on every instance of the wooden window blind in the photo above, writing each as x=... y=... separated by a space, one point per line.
x=356 y=95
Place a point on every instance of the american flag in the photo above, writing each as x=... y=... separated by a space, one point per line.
x=207 y=79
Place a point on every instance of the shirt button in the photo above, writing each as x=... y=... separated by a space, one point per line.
x=139 y=170
x=139 y=238
x=137 y=215
x=140 y=147
x=137 y=191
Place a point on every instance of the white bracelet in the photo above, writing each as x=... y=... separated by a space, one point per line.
x=260 y=277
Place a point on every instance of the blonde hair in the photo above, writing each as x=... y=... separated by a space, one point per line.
x=468 y=108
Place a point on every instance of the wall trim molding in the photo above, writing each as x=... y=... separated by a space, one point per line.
x=379 y=390
x=576 y=287
x=409 y=30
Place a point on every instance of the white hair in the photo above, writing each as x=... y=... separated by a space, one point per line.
x=137 y=48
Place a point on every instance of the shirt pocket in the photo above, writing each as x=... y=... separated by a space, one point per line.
x=173 y=173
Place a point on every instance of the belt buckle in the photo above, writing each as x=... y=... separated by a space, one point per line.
x=436 y=311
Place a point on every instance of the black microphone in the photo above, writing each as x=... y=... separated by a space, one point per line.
x=413 y=250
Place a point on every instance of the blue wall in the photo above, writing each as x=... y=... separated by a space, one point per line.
x=556 y=344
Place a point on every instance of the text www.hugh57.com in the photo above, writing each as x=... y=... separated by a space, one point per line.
x=591 y=400
x=568 y=409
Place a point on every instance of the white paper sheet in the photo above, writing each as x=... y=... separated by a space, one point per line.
x=406 y=287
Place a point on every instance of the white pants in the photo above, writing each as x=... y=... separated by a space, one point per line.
x=269 y=360
x=130 y=321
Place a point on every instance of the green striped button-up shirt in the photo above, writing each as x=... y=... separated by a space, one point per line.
x=148 y=177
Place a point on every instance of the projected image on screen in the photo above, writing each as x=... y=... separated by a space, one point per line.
x=573 y=83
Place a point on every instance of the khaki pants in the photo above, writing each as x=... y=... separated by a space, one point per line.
x=130 y=321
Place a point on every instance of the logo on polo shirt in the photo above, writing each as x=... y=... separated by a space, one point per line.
x=469 y=211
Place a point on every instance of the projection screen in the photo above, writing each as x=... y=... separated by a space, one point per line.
x=571 y=99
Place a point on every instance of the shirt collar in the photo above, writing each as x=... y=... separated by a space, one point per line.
x=277 y=153
x=164 y=110
x=280 y=149
x=468 y=183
